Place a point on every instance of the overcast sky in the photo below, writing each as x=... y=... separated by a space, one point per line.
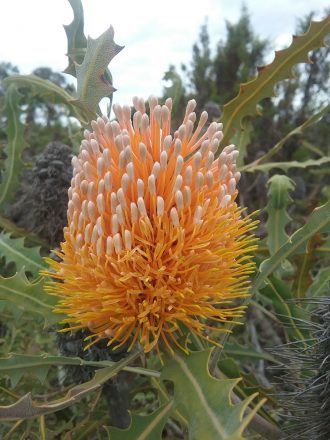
x=155 y=33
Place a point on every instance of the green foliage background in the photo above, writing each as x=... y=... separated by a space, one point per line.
x=49 y=387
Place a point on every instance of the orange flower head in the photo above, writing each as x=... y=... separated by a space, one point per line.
x=155 y=242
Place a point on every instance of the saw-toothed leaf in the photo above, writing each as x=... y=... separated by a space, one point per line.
x=266 y=167
x=13 y=164
x=249 y=384
x=13 y=250
x=92 y=74
x=17 y=365
x=279 y=187
x=26 y=408
x=204 y=400
x=281 y=68
x=77 y=41
x=28 y=296
x=148 y=427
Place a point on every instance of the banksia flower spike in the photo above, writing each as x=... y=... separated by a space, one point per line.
x=155 y=242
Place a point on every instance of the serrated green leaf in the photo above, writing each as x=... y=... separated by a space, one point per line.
x=16 y=366
x=77 y=41
x=53 y=93
x=205 y=401
x=13 y=164
x=148 y=427
x=13 y=250
x=252 y=92
x=28 y=296
x=279 y=187
x=318 y=221
x=285 y=166
x=249 y=384
x=26 y=408
x=92 y=75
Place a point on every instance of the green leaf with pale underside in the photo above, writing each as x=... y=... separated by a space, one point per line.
x=92 y=75
x=204 y=400
x=77 y=41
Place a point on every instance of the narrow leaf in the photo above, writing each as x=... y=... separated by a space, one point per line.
x=265 y=168
x=318 y=221
x=17 y=365
x=320 y=285
x=288 y=313
x=26 y=408
x=298 y=130
x=244 y=353
x=10 y=176
x=305 y=262
x=52 y=92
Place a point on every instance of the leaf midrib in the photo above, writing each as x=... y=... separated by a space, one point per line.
x=213 y=418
